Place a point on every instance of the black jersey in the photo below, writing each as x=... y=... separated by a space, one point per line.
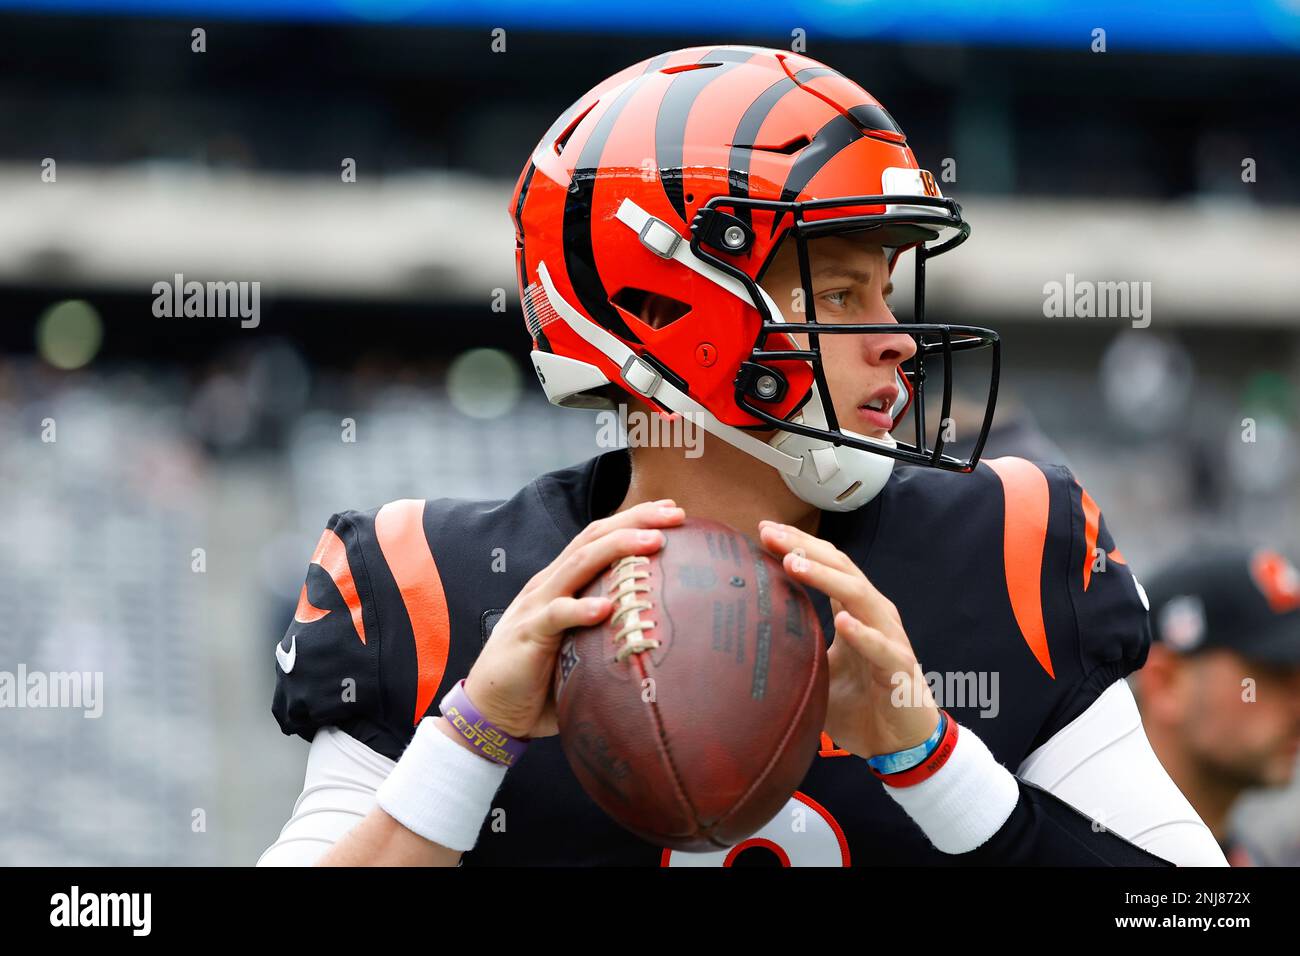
x=1019 y=606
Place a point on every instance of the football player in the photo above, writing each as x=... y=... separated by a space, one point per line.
x=1220 y=694
x=711 y=234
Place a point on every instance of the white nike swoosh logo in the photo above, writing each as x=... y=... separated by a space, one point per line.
x=286 y=658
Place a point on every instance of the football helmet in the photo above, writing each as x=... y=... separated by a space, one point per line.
x=681 y=176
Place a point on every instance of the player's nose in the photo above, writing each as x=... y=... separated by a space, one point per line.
x=887 y=348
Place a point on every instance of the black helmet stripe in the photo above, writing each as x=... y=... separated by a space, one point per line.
x=675 y=109
x=522 y=265
x=579 y=256
x=830 y=139
x=746 y=134
x=523 y=191
x=812 y=72
x=730 y=54
x=867 y=116
x=870 y=117
x=656 y=63
x=561 y=124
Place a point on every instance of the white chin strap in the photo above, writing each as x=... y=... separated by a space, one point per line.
x=829 y=477
x=834 y=477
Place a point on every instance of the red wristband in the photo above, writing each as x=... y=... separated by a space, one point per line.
x=930 y=766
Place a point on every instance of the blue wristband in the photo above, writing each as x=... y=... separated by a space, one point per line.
x=913 y=756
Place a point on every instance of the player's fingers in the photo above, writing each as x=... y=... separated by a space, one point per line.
x=561 y=613
x=848 y=589
x=663 y=513
x=780 y=539
x=870 y=602
x=894 y=662
x=647 y=514
x=783 y=539
x=577 y=570
x=870 y=642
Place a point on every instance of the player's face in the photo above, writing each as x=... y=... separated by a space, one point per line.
x=1250 y=731
x=850 y=284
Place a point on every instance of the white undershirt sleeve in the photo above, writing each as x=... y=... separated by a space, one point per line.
x=343 y=775
x=1102 y=764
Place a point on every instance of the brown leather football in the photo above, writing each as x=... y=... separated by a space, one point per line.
x=694 y=711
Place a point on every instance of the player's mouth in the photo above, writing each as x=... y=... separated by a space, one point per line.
x=876 y=411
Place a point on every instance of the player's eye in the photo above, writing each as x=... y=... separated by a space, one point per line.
x=838 y=298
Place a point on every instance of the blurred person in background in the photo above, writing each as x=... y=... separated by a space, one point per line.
x=1220 y=692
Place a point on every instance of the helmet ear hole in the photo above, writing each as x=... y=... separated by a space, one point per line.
x=650 y=308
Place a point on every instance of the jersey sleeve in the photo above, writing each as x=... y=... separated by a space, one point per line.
x=327 y=662
x=367 y=648
x=1100 y=605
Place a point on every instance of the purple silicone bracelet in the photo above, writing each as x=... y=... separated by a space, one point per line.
x=485 y=739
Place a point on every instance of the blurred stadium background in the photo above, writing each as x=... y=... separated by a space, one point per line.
x=176 y=434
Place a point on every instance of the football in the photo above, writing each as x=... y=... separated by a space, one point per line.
x=691 y=714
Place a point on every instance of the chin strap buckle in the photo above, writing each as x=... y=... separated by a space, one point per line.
x=641 y=376
x=659 y=237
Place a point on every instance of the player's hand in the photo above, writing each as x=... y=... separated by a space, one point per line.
x=879 y=700
x=511 y=683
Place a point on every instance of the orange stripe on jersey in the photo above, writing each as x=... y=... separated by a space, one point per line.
x=332 y=556
x=306 y=612
x=828 y=748
x=399 y=526
x=1091 y=524
x=1024 y=538
x=1117 y=556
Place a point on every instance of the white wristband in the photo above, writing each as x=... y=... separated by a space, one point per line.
x=439 y=789
x=966 y=801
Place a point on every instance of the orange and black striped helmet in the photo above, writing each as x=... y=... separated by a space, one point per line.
x=680 y=177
